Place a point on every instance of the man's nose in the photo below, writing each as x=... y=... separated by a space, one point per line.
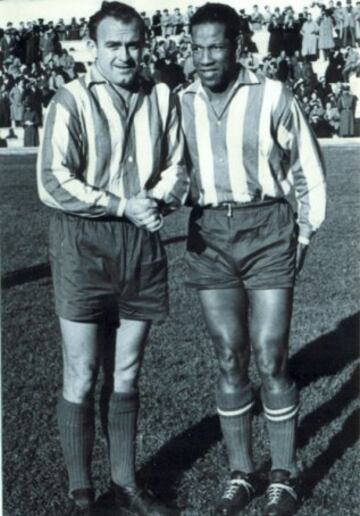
x=206 y=56
x=123 y=53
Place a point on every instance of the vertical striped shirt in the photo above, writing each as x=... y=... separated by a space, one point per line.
x=260 y=146
x=96 y=151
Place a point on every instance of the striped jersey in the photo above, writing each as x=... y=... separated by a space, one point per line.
x=97 y=151
x=260 y=146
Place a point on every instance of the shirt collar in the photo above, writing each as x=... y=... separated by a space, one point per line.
x=245 y=77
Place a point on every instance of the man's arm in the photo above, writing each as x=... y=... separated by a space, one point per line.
x=307 y=169
x=60 y=157
x=172 y=186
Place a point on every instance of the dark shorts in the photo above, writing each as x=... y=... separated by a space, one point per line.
x=106 y=270
x=254 y=248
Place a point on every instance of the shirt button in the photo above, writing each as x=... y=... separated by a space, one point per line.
x=130 y=159
x=218 y=122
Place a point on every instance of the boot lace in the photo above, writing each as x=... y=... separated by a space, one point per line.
x=233 y=488
x=275 y=491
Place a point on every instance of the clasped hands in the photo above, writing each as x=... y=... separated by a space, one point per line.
x=143 y=211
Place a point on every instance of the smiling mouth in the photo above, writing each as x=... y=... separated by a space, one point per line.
x=125 y=68
x=208 y=72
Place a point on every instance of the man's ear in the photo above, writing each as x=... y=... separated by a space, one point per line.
x=92 y=48
x=239 y=44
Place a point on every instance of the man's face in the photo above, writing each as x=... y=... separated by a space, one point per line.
x=214 y=55
x=118 y=50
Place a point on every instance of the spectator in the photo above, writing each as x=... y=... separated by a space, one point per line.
x=8 y=43
x=309 y=32
x=14 y=67
x=326 y=30
x=267 y=15
x=256 y=19
x=296 y=71
x=276 y=40
x=348 y=27
x=156 y=23
x=67 y=63
x=333 y=72
x=338 y=15
x=31 y=124
x=49 y=43
x=171 y=73
x=351 y=64
x=5 y=119
x=83 y=29
x=166 y=26
x=189 y=13
x=245 y=31
x=73 y=30
x=323 y=89
x=61 y=30
x=177 y=22
x=357 y=23
x=283 y=68
x=291 y=36
x=34 y=99
x=21 y=36
x=32 y=48
x=332 y=117
x=17 y=97
x=56 y=79
x=310 y=79
x=346 y=106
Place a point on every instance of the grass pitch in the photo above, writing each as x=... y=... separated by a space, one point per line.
x=180 y=452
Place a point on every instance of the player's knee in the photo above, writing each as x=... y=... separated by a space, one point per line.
x=79 y=383
x=229 y=366
x=270 y=363
x=126 y=378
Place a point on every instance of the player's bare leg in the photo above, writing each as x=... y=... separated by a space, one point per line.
x=81 y=351
x=225 y=312
x=270 y=316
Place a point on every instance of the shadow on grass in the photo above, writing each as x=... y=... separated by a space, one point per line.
x=325 y=356
x=339 y=443
x=21 y=276
x=328 y=354
x=42 y=270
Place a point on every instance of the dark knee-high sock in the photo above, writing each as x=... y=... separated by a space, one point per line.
x=281 y=411
x=122 y=419
x=77 y=430
x=235 y=418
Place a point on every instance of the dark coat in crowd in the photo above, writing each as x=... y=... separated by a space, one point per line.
x=276 y=40
x=291 y=38
x=31 y=132
x=346 y=106
x=283 y=70
x=32 y=54
x=156 y=23
x=5 y=120
x=334 y=69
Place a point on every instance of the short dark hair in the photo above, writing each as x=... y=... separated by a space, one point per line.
x=116 y=10
x=218 y=13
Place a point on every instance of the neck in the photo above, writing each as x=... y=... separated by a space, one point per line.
x=221 y=91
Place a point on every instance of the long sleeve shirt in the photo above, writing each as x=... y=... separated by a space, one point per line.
x=97 y=151
x=260 y=146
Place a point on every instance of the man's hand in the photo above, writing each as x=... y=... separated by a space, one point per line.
x=300 y=257
x=143 y=212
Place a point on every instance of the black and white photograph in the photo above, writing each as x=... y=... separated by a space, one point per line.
x=180 y=278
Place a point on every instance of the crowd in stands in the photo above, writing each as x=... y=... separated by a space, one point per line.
x=34 y=64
